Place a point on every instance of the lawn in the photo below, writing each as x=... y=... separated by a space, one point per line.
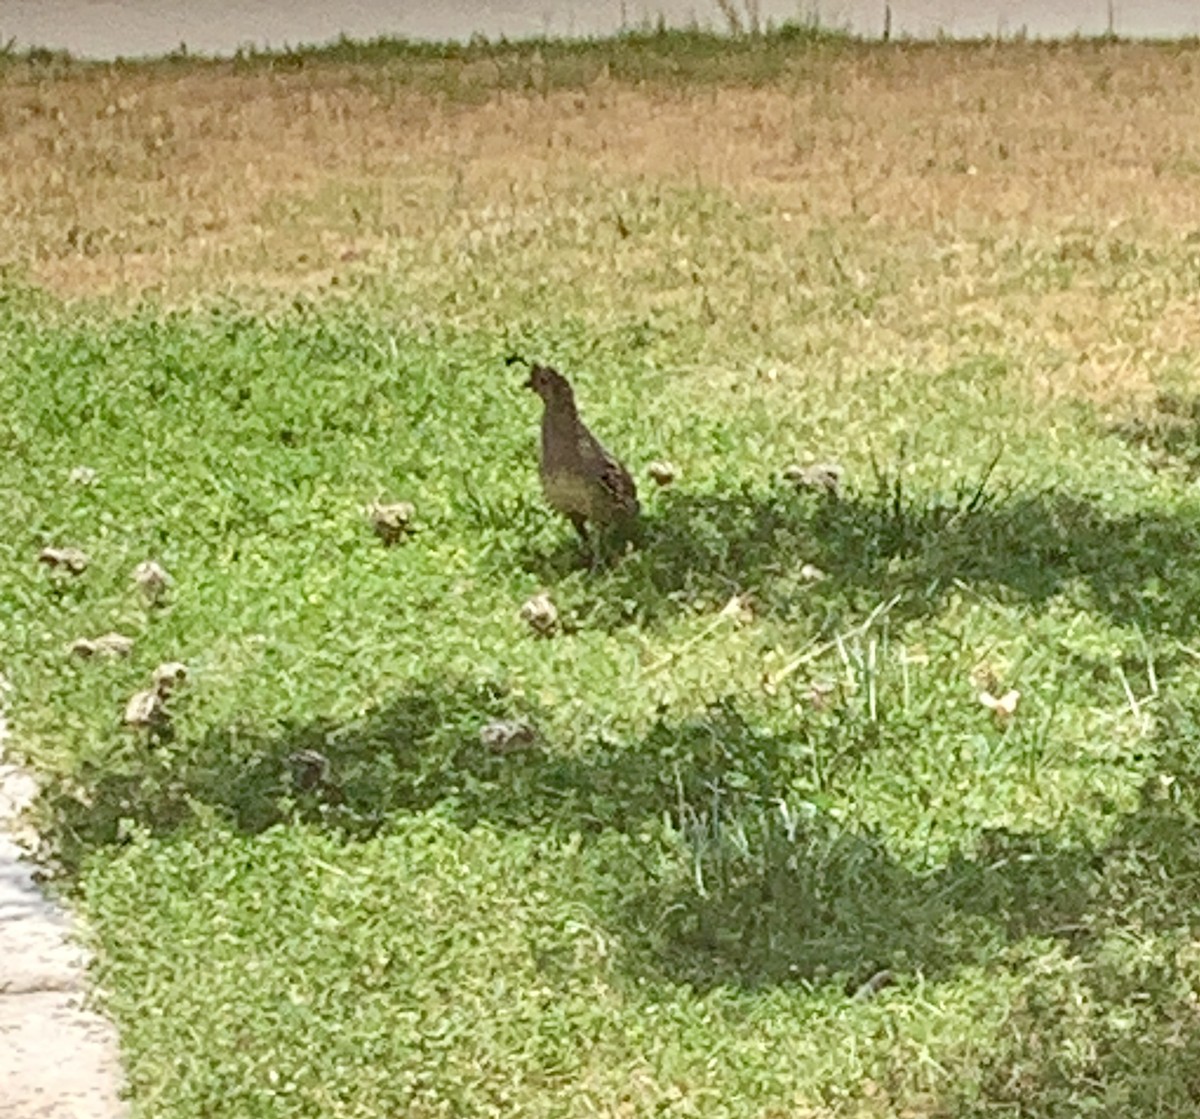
x=769 y=852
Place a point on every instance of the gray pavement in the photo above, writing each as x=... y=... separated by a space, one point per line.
x=58 y=1060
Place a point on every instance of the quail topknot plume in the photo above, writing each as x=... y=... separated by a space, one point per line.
x=580 y=479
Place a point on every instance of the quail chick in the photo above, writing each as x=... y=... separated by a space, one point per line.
x=580 y=479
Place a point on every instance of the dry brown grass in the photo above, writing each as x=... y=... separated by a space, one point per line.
x=902 y=205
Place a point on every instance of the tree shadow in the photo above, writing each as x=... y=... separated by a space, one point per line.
x=781 y=894
x=1169 y=434
x=419 y=751
x=777 y=888
x=1120 y=1034
x=766 y=887
x=775 y=901
x=1132 y=567
x=350 y=777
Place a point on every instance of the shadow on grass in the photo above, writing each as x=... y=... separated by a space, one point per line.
x=420 y=751
x=1134 y=568
x=772 y=888
x=1169 y=433
x=1116 y=1029
x=1100 y=936
x=763 y=887
x=766 y=888
x=755 y=894
x=781 y=902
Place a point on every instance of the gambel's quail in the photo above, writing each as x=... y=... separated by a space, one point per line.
x=580 y=478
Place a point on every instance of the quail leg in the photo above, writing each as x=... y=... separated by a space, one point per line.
x=589 y=550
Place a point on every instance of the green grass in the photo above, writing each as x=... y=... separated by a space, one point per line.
x=727 y=825
x=651 y=53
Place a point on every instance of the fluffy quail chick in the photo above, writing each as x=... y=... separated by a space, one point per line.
x=580 y=479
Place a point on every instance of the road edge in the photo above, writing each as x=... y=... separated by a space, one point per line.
x=58 y=1058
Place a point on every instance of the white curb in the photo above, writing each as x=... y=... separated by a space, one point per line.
x=57 y=1060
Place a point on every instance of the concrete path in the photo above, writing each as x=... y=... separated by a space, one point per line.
x=57 y=1060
